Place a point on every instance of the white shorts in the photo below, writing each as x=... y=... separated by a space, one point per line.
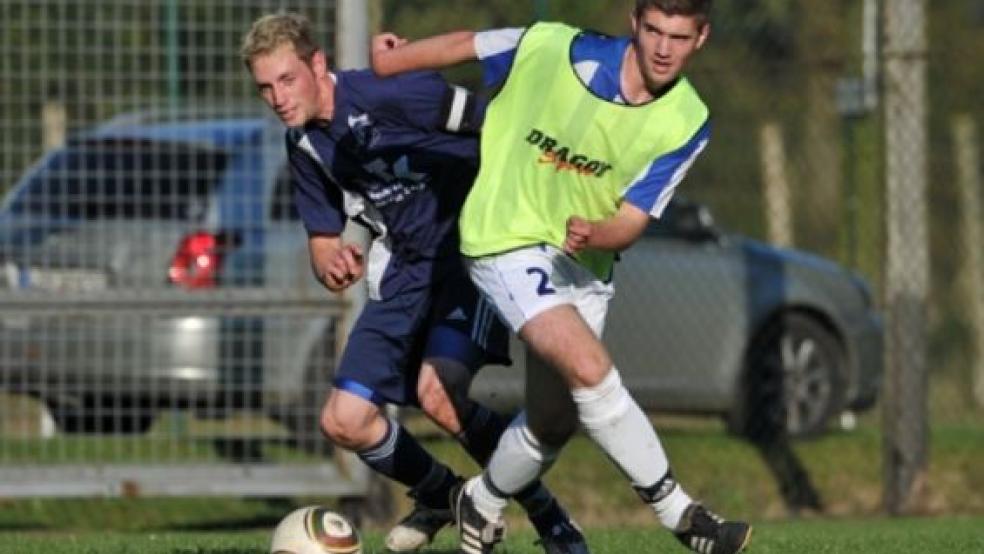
x=526 y=282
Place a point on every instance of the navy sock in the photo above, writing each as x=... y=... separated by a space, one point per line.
x=480 y=433
x=400 y=457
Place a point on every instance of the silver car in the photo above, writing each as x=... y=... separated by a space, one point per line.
x=191 y=220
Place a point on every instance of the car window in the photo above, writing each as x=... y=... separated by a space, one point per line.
x=282 y=206
x=123 y=179
x=683 y=219
x=668 y=223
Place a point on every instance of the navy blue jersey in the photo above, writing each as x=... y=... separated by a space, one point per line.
x=398 y=157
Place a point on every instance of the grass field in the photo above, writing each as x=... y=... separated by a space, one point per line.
x=875 y=536
x=727 y=473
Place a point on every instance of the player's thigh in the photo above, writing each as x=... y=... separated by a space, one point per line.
x=383 y=351
x=463 y=327
x=521 y=283
x=464 y=333
x=550 y=411
x=556 y=305
x=564 y=341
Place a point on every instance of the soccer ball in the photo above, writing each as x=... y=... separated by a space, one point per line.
x=315 y=530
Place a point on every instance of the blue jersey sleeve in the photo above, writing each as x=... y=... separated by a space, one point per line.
x=318 y=200
x=652 y=191
x=496 y=50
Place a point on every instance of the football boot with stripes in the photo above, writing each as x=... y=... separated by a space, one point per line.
x=477 y=534
x=707 y=533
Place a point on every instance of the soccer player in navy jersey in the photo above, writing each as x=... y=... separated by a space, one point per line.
x=397 y=156
x=586 y=141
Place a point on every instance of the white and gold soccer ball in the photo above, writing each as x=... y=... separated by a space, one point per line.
x=315 y=530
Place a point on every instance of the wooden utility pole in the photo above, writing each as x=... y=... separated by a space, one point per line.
x=54 y=125
x=778 y=204
x=907 y=260
x=352 y=52
x=971 y=279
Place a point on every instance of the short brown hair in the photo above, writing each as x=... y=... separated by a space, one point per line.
x=701 y=9
x=274 y=30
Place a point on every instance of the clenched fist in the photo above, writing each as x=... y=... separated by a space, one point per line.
x=578 y=234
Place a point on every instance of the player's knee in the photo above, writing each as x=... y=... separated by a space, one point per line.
x=591 y=371
x=345 y=427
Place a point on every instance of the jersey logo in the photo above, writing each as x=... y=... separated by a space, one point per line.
x=562 y=159
x=366 y=135
x=457 y=315
x=394 y=184
x=356 y=121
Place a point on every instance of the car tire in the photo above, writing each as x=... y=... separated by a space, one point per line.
x=795 y=380
x=101 y=414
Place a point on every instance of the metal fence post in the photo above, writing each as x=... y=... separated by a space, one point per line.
x=971 y=279
x=907 y=278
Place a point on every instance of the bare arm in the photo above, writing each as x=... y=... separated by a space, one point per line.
x=336 y=265
x=392 y=54
x=615 y=233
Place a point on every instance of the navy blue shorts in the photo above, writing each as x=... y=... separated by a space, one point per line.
x=392 y=337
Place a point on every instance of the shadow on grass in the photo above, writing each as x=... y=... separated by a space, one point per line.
x=274 y=509
x=22 y=527
x=220 y=551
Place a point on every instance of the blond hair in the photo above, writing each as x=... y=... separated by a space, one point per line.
x=274 y=30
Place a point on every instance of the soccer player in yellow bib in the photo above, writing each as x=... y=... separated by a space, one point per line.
x=586 y=140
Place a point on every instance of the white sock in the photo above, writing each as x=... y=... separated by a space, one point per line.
x=670 y=509
x=667 y=499
x=487 y=502
x=616 y=422
x=519 y=459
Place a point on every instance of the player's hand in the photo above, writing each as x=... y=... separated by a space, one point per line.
x=578 y=234
x=345 y=267
x=387 y=41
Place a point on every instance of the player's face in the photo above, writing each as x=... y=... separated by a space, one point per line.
x=289 y=84
x=664 y=44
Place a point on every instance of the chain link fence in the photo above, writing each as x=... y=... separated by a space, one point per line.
x=100 y=331
x=160 y=333
x=849 y=130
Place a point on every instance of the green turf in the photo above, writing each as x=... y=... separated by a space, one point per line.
x=725 y=472
x=871 y=536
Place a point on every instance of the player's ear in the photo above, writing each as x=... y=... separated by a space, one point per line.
x=319 y=63
x=703 y=34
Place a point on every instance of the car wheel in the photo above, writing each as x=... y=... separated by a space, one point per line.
x=795 y=379
x=99 y=414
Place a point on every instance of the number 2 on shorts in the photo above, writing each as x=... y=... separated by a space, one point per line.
x=544 y=288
